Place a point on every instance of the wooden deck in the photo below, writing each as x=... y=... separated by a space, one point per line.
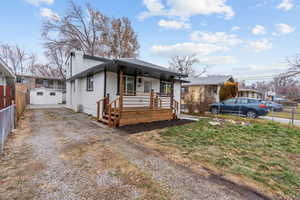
x=137 y=108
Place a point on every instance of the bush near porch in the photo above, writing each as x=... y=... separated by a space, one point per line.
x=265 y=154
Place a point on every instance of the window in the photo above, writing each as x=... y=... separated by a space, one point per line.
x=129 y=82
x=39 y=93
x=45 y=83
x=253 y=101
x=147 y=86
x=90 y=83
x=242 y=101
x=229 y=101
x=165 y=88
x=52 y=94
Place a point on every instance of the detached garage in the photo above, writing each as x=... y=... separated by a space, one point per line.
x=46 y=96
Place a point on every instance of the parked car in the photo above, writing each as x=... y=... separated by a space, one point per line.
x=273 y=106
x=249 y=107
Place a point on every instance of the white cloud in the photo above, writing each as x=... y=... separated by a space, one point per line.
x=216 y=38
x=185 y=9
x=38 y=2
x=259 y=30
x=235 y=28
x=173 y=24
x=286 y=5
x=187 y=48
x=260 y=45
x=218 y=60
x=283 y=29
x=48 y=13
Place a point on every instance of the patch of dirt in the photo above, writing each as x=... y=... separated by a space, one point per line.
x=17 y=165
x=142 y=127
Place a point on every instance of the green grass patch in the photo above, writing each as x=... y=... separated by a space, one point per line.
x=267 y=153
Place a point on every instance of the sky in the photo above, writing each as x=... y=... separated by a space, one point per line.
x=249 y=39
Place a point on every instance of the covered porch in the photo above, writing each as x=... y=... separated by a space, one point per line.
x=132 y=107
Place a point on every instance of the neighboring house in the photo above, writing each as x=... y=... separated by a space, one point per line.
x=7 y=85
x=200 y=88
x=43 y=90
x=122 y=91
x=7 y=77
x=249 y=92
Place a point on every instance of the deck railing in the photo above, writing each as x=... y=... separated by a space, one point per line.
x=113 y=109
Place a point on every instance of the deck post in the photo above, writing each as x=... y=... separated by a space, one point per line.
x=151 y=99
x=98 y=110
x=121 y=91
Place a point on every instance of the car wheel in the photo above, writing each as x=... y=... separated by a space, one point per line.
x=215 y=111
x=251 y=114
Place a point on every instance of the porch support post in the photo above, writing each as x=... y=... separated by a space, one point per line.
x=151 y=99
x=121 y=90
x=172 y=94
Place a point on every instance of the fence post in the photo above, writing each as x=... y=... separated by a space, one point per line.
x=293 y=115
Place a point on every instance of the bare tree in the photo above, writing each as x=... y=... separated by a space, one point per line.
x=286 y=86
x=15 y=57
x=122 y=40
x=187 y=65
x=294 y=64
x=45 y=70
x=56 y=58
x=94 y=33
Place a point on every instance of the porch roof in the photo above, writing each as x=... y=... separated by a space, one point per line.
x=4 y=69
x=131 y=66
x=209 y=80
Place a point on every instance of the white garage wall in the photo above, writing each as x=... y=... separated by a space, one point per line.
x=45 y=98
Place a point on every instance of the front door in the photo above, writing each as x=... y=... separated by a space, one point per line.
x=129 y=88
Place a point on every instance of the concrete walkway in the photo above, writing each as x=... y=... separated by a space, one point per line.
x=281 y=120
x=190 y=117
x=45 y=106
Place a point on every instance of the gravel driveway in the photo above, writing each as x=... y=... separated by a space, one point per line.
x=61 y=155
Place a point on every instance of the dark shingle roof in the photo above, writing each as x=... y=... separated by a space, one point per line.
x=209 y=80
x=146 y=64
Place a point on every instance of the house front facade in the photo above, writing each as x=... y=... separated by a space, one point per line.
x=198 y=89
x=250 y=93
x=122 y=91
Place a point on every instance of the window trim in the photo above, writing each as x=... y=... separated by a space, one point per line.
x=88 y=86
x=39 y=93
x=171 y=89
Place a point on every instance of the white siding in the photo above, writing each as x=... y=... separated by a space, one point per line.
x=79 y=64
x=45 y=98
x=140 y=86
x=112 y=85
x=82 y=100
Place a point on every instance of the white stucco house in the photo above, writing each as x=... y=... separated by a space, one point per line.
x=122 y=91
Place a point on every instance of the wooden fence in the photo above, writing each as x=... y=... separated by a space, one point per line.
x=21 y=102
x=6 y=96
